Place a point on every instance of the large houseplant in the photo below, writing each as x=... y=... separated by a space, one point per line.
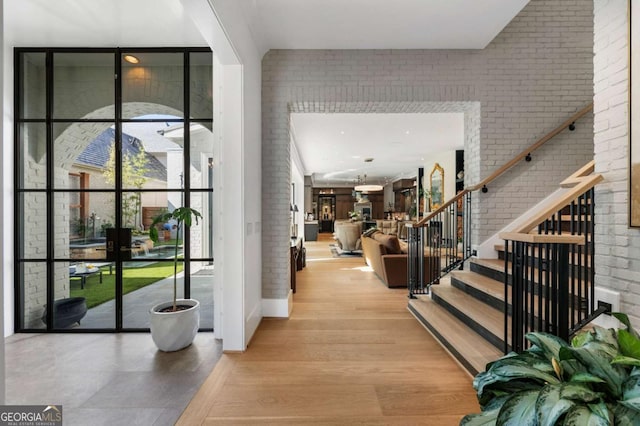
x=174 y=324
x=594 y=380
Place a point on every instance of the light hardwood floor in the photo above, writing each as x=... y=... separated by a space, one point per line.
x=350 y=354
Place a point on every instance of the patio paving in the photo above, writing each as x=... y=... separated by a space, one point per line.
x=136 y=304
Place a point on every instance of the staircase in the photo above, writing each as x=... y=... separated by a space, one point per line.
x=466 y=310
x=466 y=313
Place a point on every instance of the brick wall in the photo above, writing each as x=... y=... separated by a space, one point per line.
x=617 y=245
x=533 y=76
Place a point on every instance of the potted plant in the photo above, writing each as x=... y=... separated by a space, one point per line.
x=592 y=380
x=174 y=324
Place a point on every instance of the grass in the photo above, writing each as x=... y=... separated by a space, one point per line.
x=97 y=293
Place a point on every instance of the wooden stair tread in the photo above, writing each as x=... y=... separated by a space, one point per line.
x=481 y=313
x=497 y=264
x=470 y=345
x=481 y=282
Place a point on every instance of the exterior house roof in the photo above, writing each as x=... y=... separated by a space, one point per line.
x=96 y=154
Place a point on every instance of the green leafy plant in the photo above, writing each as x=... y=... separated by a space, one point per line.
x=182 y=215
x=595 y=380
x=133 y=171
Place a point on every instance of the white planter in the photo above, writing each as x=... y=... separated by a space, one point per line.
x=172 y=331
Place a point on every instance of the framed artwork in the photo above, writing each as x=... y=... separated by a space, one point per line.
x=634 y=114
x=436 y=181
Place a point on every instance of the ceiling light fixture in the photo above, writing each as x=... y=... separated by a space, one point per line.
x=363 y=187
x=131 y=59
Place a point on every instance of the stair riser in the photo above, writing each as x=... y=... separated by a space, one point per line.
x=485 y=298
x=499 y=276
x=496 y=341
x=488 y=272
x=582 y=270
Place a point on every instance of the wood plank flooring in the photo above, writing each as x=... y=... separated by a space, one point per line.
x=351 y=354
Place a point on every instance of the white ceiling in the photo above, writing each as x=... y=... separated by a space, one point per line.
x=98 y=23
x=378 y=24
x=333 y=147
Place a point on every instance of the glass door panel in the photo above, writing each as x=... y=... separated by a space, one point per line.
x=84 y=295
x=84 y=148
x=83 y=83
x=33 y=294
x=92 y=175
x=201 y=92
x=148 y=75
x=32 y=154
x=201 y=290
x=34 y=85
x=146 y=283
x=201 y=155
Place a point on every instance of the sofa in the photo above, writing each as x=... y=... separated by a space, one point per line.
x=387 y=256
x=393 y=227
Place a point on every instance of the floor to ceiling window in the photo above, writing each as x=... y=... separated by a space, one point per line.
x=107 y=139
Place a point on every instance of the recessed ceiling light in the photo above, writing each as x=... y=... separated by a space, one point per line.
x=342 y=132
x=131 y=59
x=355 y=156
x=407 y=132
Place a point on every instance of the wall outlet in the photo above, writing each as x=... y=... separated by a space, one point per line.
x=612 y=298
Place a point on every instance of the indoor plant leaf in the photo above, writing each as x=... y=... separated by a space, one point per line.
x=598 y=363
x=582 y=416
x=633 y=403
x=625 y=416
x=606 y=335
x=508 y=371
x=624 y=319
x=486 y=418
x=519 y=409
x=629 y=344
x=585 y=377
x=631 y=387
x=625 y=360
x=488 y=415
x=549 y=344
x=550 y=406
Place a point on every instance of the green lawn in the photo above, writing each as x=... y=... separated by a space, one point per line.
x=96 y=293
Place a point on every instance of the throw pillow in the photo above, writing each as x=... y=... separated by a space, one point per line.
x=369 y=232
x=390 y=242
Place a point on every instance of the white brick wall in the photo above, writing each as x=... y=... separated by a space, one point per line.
x=533 y=76
x=617 y=245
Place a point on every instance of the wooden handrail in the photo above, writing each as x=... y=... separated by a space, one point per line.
x=543 y=238
x=508 y=165
x=532 y=148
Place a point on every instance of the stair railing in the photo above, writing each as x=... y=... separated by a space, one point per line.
x=549 y=275
x=432 y=242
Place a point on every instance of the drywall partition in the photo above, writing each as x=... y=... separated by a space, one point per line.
x=534 y=75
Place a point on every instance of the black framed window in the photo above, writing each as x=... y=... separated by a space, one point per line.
x=108 y=138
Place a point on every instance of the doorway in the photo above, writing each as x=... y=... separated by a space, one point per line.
x=105 y=140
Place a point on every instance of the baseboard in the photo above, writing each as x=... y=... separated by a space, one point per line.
x=252 y=322
x=278 y=308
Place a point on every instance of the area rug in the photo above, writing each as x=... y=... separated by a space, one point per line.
x=336 y=251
